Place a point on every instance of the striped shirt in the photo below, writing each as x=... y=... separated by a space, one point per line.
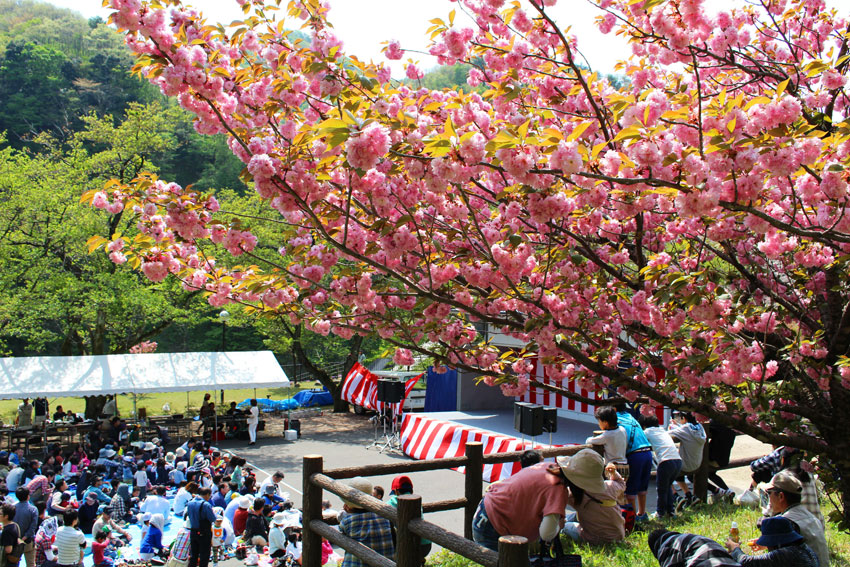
x=69 y=545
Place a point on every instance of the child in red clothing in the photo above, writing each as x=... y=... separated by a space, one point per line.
x=98 y=550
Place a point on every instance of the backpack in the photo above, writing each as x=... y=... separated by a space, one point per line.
x=14 y=557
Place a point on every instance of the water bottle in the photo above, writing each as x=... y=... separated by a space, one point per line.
x=733 y=533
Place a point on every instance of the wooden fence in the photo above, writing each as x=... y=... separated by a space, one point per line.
x=410 y=526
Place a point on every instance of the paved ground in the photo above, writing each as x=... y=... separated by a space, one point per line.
x=343 y=440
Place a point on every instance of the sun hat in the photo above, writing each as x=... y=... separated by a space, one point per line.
x=181 y=465
x=784 y=481
x=361 y=484
x=270 y=489
x=106 y=453
x=279 y=519
x=778 y=531
x=169 y=457
x=179 y=451
x=146 y=517
x=156 y=440
x=149 y=446
x=584 y=469
x=245 y=502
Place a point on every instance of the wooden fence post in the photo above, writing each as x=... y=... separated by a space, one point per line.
x=474 y=480
x=311 y=555
x=408 y=544
x=513 y=551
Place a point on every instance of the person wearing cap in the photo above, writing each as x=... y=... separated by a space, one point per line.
x=277 y=538
x=272 y=499
x=105 y=458
x=531 y=503
x=403 y=485
x=597 y=518
x=88 y=513
x=23 y=419
x=785 y=493
x=201 y=517
x=177 y=475
x=784 y=546
x=368 y=528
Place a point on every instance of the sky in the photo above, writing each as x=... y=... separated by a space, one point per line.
x=364 y=24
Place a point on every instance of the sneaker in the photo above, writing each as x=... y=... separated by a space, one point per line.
x=681 y=505
x=641 y=518
x=728 y=496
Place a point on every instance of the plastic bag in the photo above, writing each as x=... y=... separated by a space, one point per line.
x=749 y=498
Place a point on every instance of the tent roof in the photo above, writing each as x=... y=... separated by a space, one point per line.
x=139 y=373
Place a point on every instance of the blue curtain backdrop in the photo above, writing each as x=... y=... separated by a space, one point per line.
x=441 y=390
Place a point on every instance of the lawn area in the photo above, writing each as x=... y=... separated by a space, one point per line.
x=155 y=402
x=712 y=521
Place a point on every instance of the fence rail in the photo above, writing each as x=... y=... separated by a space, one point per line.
x=407 y=518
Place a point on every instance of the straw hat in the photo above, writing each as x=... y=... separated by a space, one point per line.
x=584 y=469
x=361 y=484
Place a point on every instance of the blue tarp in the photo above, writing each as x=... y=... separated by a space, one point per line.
x=310 y=398
x=266 y=404
x=441 y=390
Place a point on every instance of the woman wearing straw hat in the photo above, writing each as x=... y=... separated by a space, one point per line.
x=531 y=504
x=597 y=517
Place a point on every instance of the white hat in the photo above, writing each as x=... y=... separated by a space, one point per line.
x=245 y=502
x=169 y=457
x=156 y=440
x=361 y=484
x=279 y=519
x=584 y=469
x=180 y=451
x=181 y=465
x=149 y=446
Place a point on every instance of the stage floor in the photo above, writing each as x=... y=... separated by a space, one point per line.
x=502 y=422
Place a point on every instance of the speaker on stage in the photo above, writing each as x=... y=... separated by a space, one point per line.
x=528 y=418
x=390 y=391
x=550 y=420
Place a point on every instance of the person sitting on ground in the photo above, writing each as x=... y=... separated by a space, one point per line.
x=117 y=535
x=157 y=503
x=784 y=546
x=277 y=539
x=99 y=549
x=691 y=437
x=273 y=500
x=70 y=541
x=96 y=488
x=232 y=506
x=88 y=513
x=44 y=542
x=669 y=464
x=60 y=503
x=248 y=486
x=597 y=517
x=794 y=463
x=378 y=492
x=256 y=528
x=530 y=457
x=612 y=438
x=105 y=459
x=368 y=528
x=41 y=486
x=14 y=478
x=403 y=485
x=673 y=549
x=785 y=494
x=152 y=544
x=177 y=475
x=122 y=501
x=273 y=480
x=531 y=503
x=240 y=517
x=220 y=497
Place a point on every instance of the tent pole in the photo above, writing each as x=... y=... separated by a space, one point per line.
x=135 y=413
x=187 y=402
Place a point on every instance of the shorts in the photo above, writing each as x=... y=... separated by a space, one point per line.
x=623 y=470
x=640 y=467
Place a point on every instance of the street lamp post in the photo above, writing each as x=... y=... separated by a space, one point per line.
x=223 y=317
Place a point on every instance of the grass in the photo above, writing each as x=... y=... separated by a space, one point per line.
x=712 y=521
x=154 y=403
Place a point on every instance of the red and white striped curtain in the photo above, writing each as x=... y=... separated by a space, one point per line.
x=361 y=388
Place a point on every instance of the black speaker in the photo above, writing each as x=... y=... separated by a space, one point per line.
x=550 y=420
x=390 y=391
x=529 y=417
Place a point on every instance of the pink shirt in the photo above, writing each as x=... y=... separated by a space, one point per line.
x=516 y=506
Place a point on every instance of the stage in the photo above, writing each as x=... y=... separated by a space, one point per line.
x=502 y=422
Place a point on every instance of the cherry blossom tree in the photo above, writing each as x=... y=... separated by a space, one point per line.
x=693 y=221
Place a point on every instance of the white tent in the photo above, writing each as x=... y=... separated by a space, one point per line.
x=138 y=373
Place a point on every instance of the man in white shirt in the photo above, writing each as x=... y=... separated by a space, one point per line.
x=70 y=542
x=273 y=480
x=110 y=408
x=24 y=418
x=156 y=503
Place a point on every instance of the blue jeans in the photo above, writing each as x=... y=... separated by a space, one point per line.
x=666 y=472
x=571 y=526
x=483 y=532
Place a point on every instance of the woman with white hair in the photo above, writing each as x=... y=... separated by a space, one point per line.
x=152 y=544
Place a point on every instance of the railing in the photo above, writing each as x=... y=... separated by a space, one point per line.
x=410 y=526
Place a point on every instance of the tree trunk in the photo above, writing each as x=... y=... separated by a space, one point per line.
x=94 y=406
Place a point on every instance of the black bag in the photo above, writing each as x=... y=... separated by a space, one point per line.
x=552 y=555
x=14 y=557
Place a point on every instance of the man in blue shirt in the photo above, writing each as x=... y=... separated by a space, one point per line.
x=26 y=516
x=200 y=514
